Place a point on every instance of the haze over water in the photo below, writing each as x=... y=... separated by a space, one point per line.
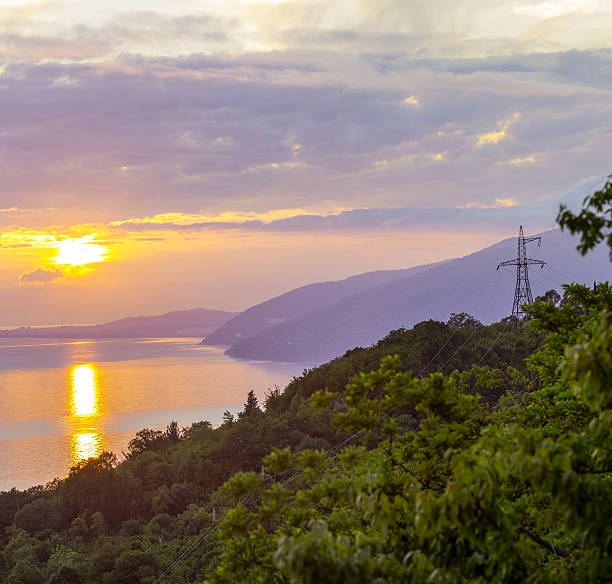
x=62 y=401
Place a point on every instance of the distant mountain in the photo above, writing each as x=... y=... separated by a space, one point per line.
x=181 y=323
x=468 y=284
x=301 y=301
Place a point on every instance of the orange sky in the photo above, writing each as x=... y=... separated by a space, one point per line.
x=218 y=270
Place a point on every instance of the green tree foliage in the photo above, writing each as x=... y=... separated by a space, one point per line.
x=594 y=222
x=251 y=406
x=25 y=572
x=429 y=346
x=98 y=525
x=39 y=515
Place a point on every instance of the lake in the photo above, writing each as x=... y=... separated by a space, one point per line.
x=62 y=400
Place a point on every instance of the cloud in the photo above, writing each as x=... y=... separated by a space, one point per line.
x=40 y=275
x=555 y=8
x=510 y=202
x=140 y=135
x=500 y=134
x=69 y=37
x=288 y=220
x=521 y=160
x=504 y=213
x=27 y=238
x=435 y=27
x=79 y=47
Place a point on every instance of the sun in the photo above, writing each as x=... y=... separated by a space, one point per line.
x=80 y=251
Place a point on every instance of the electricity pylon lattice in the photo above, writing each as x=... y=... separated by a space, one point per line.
x=522 y=292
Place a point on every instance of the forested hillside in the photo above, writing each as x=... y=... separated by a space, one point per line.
x=450 y=452
x=165 y=491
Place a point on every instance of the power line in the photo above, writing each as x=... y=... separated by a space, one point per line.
x=567 y=278
x=465 y=293
x=555 y=280
x=494 y=342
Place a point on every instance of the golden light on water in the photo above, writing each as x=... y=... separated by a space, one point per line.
x=84 y=391
x=85 y=445
x=86 y=441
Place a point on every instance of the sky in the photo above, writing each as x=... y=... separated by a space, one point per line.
x=165 y=155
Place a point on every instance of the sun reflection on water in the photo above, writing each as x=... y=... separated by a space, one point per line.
x=85 y=446
x=86 y=441
x=84 y=394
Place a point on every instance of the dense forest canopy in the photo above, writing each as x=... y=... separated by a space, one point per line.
x=450 y=452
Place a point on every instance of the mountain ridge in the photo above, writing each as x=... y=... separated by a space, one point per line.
x=466 y=284
x=191 y=322
x=298 y=301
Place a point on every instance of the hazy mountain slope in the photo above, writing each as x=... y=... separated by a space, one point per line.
x=195 y=322
x=301 y=301
x=468 y=284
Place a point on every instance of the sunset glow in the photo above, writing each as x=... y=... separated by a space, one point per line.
x=80 y=252
x=254 y=146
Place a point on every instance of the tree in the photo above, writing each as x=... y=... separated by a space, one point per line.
x=173 y=433
x=594 y=222
x=65 y=575
x=550 y=296
x=25 y=572
x=78 y=529
x=463 y=320
x=251 y=406
x=62 y=566
x=228 y=418
x=145 y=439
x=98 y=525
x=134 y=566
x=40 y=514
x=273 y=399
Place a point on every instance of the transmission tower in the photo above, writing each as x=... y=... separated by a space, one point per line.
x=522 y=292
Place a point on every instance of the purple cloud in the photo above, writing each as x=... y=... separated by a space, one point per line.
x=505 y=216
x=145 y=135
x=40 y=275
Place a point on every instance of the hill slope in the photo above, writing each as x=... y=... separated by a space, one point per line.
x=299 y=302
x=469 y=284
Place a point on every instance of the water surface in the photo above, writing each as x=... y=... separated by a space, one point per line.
x=62 y=400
